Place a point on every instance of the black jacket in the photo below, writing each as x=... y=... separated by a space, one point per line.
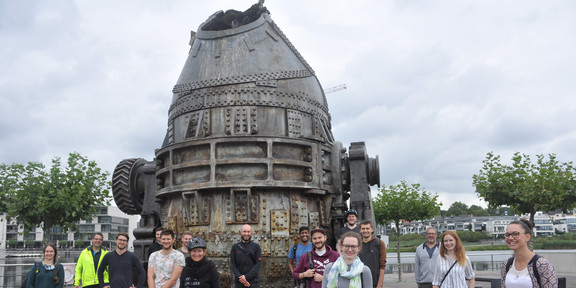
x=210 y=279
x=246 y=259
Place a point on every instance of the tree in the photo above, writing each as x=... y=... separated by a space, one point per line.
x=57 y=197
x=29 y=243
x=476 y=210
x=13 y=243
x=404 y=202
x=79 y=243
x=501 y=211
x=457 y=209
x=546 y=185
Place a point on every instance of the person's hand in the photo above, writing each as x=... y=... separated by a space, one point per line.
x=318 y=277
x=308 y=273
x=76 y=286
x=243 y=280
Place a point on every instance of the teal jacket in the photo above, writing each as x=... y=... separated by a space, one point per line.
x=85 y=272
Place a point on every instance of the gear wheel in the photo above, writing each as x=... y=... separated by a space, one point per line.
x=127 y=190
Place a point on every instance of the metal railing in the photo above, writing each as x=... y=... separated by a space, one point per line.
x=12 y=275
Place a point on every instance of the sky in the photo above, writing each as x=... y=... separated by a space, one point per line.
x=432 y=86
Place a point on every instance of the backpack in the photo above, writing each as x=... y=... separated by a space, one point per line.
x=533 y=260
x=296 y=281
x=308 y=281
x=36 y=269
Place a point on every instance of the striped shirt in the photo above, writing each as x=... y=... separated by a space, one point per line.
x=458 y=276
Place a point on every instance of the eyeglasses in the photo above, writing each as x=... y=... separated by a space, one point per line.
x=514 y=234
x=349 y=247
x=121 y=240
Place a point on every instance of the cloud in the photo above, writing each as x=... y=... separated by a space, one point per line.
x=431 y=86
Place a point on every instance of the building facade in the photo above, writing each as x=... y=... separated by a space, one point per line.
x=544 y=224
x=108 y=220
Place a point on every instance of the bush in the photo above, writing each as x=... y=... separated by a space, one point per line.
x=555 y=244
x=567 y=236
x=469 y=236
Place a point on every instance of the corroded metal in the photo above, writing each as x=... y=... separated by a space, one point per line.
x=248 y=141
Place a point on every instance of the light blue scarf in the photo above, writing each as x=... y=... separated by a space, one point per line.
x=341 y=268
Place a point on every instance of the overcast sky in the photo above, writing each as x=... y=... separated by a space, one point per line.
x=432 y=86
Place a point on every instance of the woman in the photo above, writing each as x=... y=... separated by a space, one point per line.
x=525 y=268
x=453 y=269
x=49 y=274
x=348 y=270
x=199 y=272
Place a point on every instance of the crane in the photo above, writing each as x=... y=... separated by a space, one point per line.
x=334 y=89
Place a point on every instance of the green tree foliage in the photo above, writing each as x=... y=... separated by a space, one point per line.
x=477 y=211
x=457 y=209
x=404 y=202
x=13 y=243
x=469 y=236
x=29 y=243
x=59 y=196
x=501 y=211
x=546 y=185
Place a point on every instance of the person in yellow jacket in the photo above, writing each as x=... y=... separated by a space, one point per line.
x=88 y=262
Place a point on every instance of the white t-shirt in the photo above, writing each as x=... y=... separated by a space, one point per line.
x=518 y=279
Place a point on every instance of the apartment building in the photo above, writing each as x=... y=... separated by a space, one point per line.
x=108 y=220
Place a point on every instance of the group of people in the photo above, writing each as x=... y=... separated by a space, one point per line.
x=445 y=264
x=358 y=261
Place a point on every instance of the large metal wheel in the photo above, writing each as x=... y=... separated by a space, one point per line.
x=127 y=189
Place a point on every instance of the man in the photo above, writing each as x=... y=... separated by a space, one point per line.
x=426 y=256
x=350 y=225
x=311 y=265
x=186 y=236
x=373 y=253
x=87 y=265
x=299 y=249
x=156 y=246
x=246 y=260
x=120 y=265
x=165 y=266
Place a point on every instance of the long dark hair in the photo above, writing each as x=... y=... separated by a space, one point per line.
x=526 y=225
x=55 y=262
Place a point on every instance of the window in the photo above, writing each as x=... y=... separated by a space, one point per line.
x=86 y=228
x=104 y=219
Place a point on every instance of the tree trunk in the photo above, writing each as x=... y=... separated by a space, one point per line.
x=398 y=252
x=532 y=212
x=48 y=234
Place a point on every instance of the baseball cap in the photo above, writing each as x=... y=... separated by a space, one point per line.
x=317 y=229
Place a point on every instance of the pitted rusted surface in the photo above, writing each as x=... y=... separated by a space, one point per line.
x=248 y=141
